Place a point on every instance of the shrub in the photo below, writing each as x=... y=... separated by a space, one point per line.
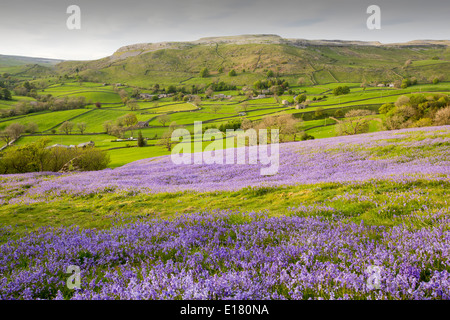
x=36 y=157
x=91 y=158
x=385 y=108
x=304 y=136
x=442 y=117
x=424 y=122
x=141 y=141
x=341 y=90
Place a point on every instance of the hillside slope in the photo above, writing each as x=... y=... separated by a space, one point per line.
x=319 y=61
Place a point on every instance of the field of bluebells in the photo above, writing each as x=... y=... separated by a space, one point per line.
x=223 y=255
x=311 y=251
x=402 y=155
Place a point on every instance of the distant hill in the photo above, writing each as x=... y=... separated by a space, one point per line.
x=27 y=66
x=13 y=61
x=317 y=61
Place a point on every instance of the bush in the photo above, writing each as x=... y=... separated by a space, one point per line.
x=204 y=73
x=385 y=108
x=35 y=157
x=442 y=117
x=341 y=90
x=141 y=141
x=304 y=136
x=424 y=122
x=91 y=159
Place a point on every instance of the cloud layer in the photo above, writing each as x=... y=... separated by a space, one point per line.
x=38 y=28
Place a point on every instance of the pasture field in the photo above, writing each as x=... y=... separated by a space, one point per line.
x=185 y=113
x=47 y=120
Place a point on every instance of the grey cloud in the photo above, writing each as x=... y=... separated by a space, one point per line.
x=107 y=25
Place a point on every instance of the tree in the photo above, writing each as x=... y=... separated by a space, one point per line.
x=209 y=92
x=300 y=98
x=339 y=113
x=305 y=136
x=124 y=96
x=355 y=122
x=216 y=108
x=270 y=74
x=98 y=105
x=132 y=105
x=5 y=136
x=171 y=89
x=285 y=124
x=108 y=125
x=163 y=119
x=141 y=141
x=130 y=119
x=245 y=106
x=402 y=100
x=232 y=73
x=81 y=127
x=385 y=108
x=442 y=116
x=31 y=127
x=136 y=92
x=340 y=90
x=166 y=139
x=220 y=69
x=318 y=113
x=301 y=81
x=204 y=73
x=196 y=100
x=66 y=127
x=6 y=94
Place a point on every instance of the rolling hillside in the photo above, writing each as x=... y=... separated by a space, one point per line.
x=318 y=62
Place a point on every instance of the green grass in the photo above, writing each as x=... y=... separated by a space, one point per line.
x=46 y=121
x=98 y=210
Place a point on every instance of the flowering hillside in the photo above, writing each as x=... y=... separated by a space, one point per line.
x=359 y=217
x=395 y=155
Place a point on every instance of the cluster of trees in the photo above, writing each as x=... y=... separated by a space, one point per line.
x=270 y=83
x=122 y=124
x=44 y=103
x=222 y=86
x=355 y=122
x=289 y=128
x=231 y=125
x=68 y=126
x=416 y=111
x=407 y=82
x=26 y=89
x=36 y=157
x=341 y=90
x=15 y=130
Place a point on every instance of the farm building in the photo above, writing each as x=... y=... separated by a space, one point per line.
x=86 y=144
x=221 y=96
x=142 y=124
x=146 y=96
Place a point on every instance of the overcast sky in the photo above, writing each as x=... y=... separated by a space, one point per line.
x=38 y=28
